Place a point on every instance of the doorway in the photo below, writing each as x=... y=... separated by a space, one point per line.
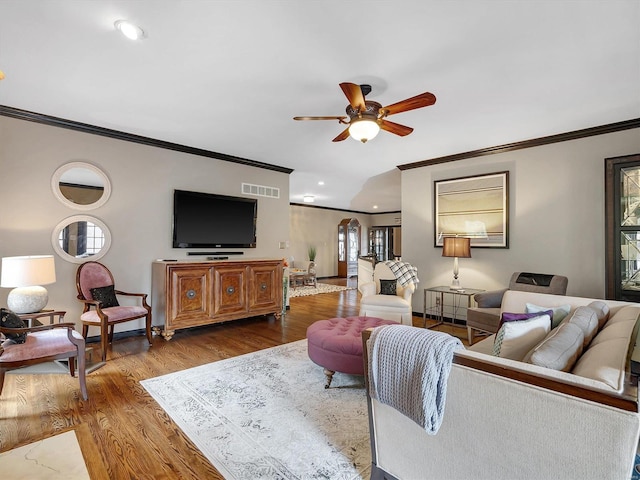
x=348 y=247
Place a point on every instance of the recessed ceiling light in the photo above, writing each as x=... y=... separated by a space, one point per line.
x=308 y=198
x=129 y=30
x=375 y=207
x=320 y=182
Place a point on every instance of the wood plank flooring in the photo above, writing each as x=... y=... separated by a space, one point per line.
x=123 y=433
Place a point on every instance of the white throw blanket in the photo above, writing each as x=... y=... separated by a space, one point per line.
x=408 y=370
x=404 y=272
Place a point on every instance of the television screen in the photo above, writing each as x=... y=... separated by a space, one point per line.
x=213 y=221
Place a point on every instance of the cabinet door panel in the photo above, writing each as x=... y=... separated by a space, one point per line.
x=191 y=294
x=230 y=290
x=265 y=287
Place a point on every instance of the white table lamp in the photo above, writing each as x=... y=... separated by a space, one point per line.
x=27 y=274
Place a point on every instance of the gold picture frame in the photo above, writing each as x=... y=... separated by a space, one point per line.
x=476 y=207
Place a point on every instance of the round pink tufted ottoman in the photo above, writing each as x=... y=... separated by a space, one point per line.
x=336 y=344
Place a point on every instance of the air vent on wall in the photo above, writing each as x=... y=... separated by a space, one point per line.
x=260 y=190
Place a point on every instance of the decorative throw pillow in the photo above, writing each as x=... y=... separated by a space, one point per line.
x=587 y=319
x=516 y=317
x=388 y=287
x=106 y=296
x=602 y=311
x=515 y=339
x=9 y=319
x=558 y=312
x=560 y=349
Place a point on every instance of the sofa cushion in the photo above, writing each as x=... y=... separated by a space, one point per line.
x=602 y=312
x=587 y=319
x=605 y=362
x=616 y=330
x=625 y=314
x=558 y=312
x=560 y=349
x=515 y=339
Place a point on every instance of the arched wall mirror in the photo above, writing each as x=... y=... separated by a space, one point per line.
x=81 y=185
x=80 y=238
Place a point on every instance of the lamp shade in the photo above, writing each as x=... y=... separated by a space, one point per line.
x=27 y=275
x=456 y=247
x=363 y=129
x=28 y=271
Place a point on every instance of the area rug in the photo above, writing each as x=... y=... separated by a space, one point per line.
x=306 y=290
x=267 y=415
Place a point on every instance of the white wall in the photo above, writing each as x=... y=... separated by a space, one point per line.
x=556 y=215
x=386 y=220
x=319 y=227
x=138 y=214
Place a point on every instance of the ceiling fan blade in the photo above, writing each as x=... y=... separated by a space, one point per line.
x=321 y=118
x=419 y=101
x=343 y=136
x=354 y=94
x=395 y=128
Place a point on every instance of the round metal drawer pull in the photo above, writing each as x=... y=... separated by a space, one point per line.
x=263 y=286
x=191 y=294
x=230 y=290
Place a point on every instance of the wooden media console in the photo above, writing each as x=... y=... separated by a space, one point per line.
x=193 y=293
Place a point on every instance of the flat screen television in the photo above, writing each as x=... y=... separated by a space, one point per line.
x=205 y=220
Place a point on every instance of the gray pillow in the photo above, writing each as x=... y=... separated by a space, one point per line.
x=587 y=320
x=602 y=312
x=560 y=349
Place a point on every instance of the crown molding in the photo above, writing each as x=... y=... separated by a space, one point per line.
x=536 y=142
x=52 y=121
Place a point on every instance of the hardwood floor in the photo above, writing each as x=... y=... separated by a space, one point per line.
x=123 y=433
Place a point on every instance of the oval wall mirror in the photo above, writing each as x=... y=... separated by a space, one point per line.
x=81 y=185
x=80 y=238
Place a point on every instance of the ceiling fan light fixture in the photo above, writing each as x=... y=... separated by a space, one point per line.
x=129 y=30
x=363 y=129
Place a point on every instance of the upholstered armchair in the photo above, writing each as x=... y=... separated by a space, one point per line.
x=96 y=290
x=486 y=316
x=44 y=343
x=386 y=298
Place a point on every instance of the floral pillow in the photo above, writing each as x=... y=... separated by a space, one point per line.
x=388 y=287
x=106 y=296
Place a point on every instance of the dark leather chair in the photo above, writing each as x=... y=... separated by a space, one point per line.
x=486 y=316
x=96 y=290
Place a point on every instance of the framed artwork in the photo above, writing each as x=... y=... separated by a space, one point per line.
x=476 y=207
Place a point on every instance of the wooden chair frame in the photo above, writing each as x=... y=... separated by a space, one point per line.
x=77 y=351
x=106 y=326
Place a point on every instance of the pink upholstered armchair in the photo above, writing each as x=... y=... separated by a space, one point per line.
x=96 y=289
x=45 y=343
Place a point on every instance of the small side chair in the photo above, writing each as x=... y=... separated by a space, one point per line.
x=45 y=343
x=96 y=290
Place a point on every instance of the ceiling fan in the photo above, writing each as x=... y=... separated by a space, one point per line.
x=365 y=118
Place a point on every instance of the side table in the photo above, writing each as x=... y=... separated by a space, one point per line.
x=439 y=307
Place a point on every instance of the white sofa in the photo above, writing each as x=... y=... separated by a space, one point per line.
x=506 y=419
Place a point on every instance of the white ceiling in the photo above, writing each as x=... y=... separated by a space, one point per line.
x=228 y=76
